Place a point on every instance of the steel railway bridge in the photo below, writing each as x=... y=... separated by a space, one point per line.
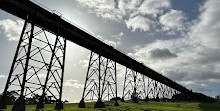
x=39 y=54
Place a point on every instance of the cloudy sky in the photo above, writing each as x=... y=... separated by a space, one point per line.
x=178 y=38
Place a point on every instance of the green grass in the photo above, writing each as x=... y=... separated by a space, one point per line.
x=127 y=106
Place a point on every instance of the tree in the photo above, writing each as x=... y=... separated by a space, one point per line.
x=10 y=97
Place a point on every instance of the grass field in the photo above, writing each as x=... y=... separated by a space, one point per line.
x=127 y=106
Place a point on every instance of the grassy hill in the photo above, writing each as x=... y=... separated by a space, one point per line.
x=127 y=106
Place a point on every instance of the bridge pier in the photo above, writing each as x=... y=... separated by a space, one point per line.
x=59 y=105
x=146 y=99
x=134 y=86
x=3 y=104
x=99 y=104
x=53 y=74
x=31 y=65
x=40 y=104
x=19 y=105
x=101 y=82
x=82 y=103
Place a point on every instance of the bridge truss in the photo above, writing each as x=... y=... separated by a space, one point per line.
x=37 y=69
x=101 y=80
x=101 y=83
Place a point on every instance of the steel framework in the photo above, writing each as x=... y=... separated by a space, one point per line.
x=55 y=23
x=156 y=90
x=38 y=59
x=100 y=83
x=134 y=86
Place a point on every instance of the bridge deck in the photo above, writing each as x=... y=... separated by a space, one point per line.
x=55 y=24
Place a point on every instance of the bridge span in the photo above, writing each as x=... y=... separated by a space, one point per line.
x=56 y=24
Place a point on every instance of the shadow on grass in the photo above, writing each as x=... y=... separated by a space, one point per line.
x=209 y=106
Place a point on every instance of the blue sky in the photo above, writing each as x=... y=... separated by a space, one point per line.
x=178 y=38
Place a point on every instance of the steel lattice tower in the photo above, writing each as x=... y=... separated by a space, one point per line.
x=37 y=68
x=134 y=86
x=141 y=87
x=101 y=81
x=156 y=90
x=150 y=90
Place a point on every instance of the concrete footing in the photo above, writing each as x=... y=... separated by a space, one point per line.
x=19 y=105
x=99 y=104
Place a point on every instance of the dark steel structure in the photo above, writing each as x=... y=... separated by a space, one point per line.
x=101 y=75
x=56 y=24
x=37 y=56
x=134 y=86
x=101 y=83
x=157 y=91
x=136 y=89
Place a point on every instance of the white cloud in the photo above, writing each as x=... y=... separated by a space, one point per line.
x=139 y=22
x=161 y=54
x=129 y=6
x=195 y=64
x=3 y=76
x=103 y=8
x=12 y=29
x=208 y=25
x=84 y=62
x=154 y=7
x=119 y=35
x=111 y=42
x=72 y=90
x=173 y=20
x=73 y=83
x=137 y=14
x=140 y=14
x=43 y=76
x=117 y=38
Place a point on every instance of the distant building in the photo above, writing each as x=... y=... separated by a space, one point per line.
x=217 y=97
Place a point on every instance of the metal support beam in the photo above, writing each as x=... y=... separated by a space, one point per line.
x=59 y=104
x=116 y=88
x=54 y=77
x=157 y=91
x=19 y=104
x=134 y=86
x=3 y=104
x=35 y=58
x=40 y=104
x=101 y=83
x=99 y=103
